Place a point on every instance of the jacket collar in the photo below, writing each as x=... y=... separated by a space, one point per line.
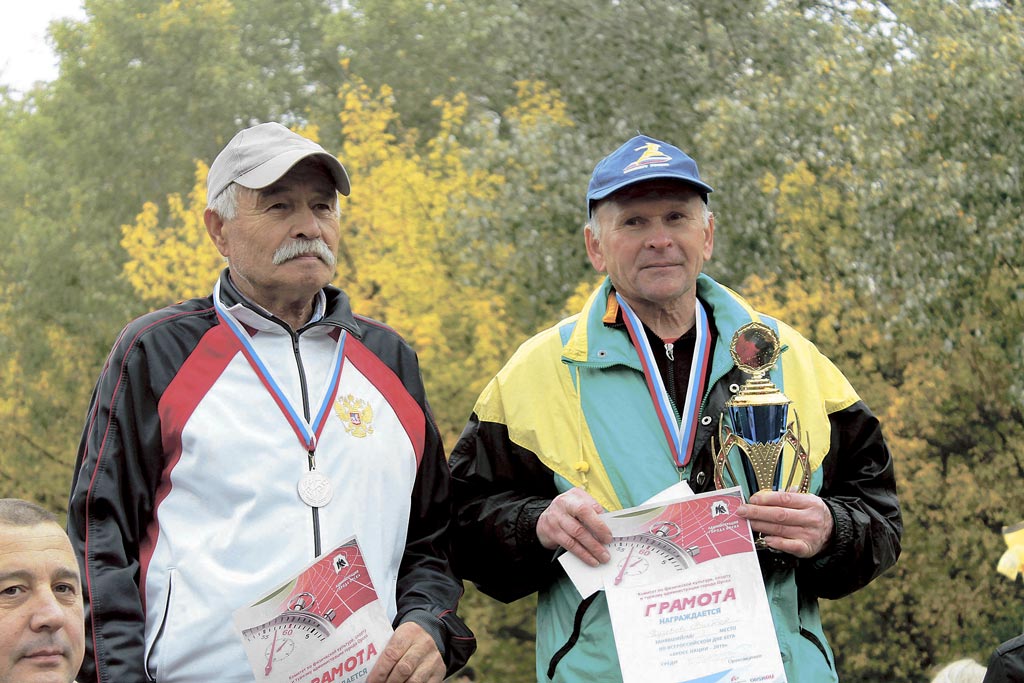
x=333 y=302
x=590 y=339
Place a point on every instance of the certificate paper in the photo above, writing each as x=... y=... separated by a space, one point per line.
x=686 y=597
x=588 y=580
x=324 y=626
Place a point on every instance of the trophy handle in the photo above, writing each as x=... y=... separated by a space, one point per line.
x=728 y=439
x=800 y=460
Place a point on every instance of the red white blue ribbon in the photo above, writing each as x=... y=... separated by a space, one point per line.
x=680 y=434
x=308 y=432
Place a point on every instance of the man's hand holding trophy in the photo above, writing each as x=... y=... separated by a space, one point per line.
x=756 y=435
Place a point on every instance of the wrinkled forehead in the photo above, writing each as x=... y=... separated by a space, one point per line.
x=25 y=547
x=309 y=175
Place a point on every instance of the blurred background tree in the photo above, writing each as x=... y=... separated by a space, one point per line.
x=867 y=162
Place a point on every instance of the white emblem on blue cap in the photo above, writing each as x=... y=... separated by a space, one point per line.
x=651 y=156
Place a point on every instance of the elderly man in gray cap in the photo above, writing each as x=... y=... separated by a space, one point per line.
x=234 y=438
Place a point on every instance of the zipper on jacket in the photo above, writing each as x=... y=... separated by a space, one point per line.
x=670 y=387
x=310 y=455
x=670 y=377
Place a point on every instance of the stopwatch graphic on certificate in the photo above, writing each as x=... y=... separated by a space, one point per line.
x=649 y=556
x=292 y=634
x=326 y=619
x=654 y=543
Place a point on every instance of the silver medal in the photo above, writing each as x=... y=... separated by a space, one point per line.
x=315 y=489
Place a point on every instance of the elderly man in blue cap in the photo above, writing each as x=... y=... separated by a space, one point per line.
x=617 y=403
x=235 y=437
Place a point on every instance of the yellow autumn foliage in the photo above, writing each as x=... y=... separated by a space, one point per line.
x=35 y=458
x=14 y=406
x=175 y=260
x=400 y=261
x=816 y=226
x=574 y=304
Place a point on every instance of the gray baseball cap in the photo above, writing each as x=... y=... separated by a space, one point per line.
x=258 y=156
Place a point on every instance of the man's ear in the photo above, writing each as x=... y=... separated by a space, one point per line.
x=594 y=252
x=709 y=237
x=215 y=229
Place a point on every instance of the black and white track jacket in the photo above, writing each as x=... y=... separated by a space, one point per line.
x=184 y=506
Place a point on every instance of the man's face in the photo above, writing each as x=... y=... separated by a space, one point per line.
x=653 y=243
x=299 y=206
x=42 y=629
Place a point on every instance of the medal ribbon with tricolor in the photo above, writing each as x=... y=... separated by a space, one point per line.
x=681 y=435
x=307 y=432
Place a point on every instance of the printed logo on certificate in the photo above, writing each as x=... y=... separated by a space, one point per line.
x=324 y=626
x=686 y=596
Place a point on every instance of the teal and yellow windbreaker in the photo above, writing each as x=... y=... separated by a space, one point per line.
x=572 y=408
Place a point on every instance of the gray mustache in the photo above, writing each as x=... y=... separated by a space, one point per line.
x=302 y=247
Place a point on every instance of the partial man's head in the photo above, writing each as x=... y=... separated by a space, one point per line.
x=649 y=226
x=272 y=211
x=961 y=671
x=42 y=626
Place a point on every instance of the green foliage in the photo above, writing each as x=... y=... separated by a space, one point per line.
x=505 y=636
x=866 y=158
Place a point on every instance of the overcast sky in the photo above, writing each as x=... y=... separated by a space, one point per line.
x=24 y=55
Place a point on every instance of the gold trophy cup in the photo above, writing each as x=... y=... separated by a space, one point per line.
x=758 y=414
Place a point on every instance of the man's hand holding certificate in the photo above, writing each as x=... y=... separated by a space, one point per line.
x=685 y=593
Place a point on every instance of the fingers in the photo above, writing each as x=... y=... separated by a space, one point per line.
x=796 y=523
x=572 y=522
x=787 y=499
x=410 y=656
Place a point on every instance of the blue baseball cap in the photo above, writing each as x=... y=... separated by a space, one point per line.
x=642 y=158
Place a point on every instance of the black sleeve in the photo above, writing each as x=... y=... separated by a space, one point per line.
x=1007 y=662
x=997 y=673
x=860 y=490
x=427 y=591
x=110 y=505
x=499 y=492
